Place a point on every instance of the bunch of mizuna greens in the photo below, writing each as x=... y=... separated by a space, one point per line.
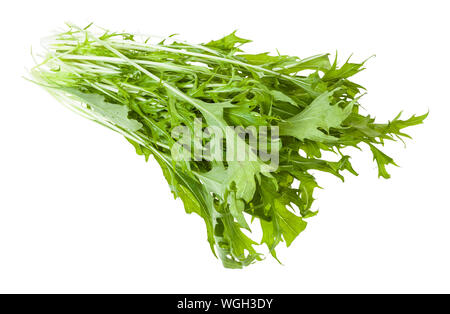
x=144 y=89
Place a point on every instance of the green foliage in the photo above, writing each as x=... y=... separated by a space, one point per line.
x=143 y=91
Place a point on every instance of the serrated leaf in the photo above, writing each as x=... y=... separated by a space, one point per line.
x=228 y=42
x=382 y=161
x=320 y=114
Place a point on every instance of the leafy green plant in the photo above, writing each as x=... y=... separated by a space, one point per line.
x=145 y=90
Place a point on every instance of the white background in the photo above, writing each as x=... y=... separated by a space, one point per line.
x=80 y=212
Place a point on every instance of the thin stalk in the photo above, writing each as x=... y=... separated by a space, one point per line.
x=151 y=47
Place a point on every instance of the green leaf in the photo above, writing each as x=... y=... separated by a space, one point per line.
x=320 y=114
x=239 y=176
x=284 y=224
x=280 y=96
x=319 y=63
x=240 y=246
x=237 y=207
x=289 y=224
x=396 y=125
x=261 y=58
x=228 y=42
x=382 y=161
x=347 y=70
x=114 y=113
